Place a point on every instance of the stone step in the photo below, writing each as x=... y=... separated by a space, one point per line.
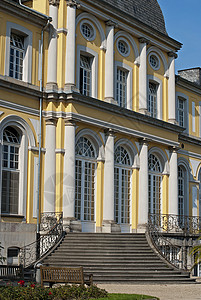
x=120 y=258
x=96 y=251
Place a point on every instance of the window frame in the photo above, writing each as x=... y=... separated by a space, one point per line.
x=85 y=51
x=129 y=70
x=184 y=98
x=27 y=61
x=158 y=82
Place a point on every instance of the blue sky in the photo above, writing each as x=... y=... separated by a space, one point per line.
x=183 y=23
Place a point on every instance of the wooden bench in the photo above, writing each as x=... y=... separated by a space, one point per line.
x=64 y=275
x=11 y=272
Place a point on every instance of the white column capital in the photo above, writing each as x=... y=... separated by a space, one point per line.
x=111 y=23
x=172 y=54
x=144 y=141
x=51 y=121
x=70 y=123
x=143 y=40
x=73 y=3
x=54 y=2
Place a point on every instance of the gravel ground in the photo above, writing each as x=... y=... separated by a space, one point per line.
x=162 y=291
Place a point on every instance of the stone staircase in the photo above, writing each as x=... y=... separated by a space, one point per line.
x=123 y=258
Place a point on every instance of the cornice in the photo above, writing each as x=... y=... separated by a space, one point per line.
x=20 y=87
x=191 y=86
x=190 y=139
x=127 y=23
x=111 y=127
x=115 y=110
x=23 y=12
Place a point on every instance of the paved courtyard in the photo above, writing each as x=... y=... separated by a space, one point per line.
x=162 y=291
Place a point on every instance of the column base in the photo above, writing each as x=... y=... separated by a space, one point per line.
x=69 y=87
x=72 y=225
x=110 y=100
x=51 y=87
x=173 y=121
x=141 y=228
x=109 y=226
x=144 y=111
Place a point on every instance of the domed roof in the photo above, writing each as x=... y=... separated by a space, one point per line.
x=146 y=11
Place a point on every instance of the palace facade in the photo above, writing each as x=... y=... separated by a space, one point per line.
x=93 y=121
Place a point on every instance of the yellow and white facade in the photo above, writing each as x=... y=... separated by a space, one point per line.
x=93 y=122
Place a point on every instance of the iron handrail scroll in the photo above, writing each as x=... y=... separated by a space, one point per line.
x=175 y=255
x=31 y=253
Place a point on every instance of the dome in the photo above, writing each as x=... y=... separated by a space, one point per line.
x=146 y=11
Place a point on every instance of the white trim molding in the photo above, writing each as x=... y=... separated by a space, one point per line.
x=92 y=18
x=95 y=139
x=27 y=61
x=132 y=149
x=155 y=50
x=94 y=68
x=128 y=37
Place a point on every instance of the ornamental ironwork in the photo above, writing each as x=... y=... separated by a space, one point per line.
x=30 y=254
x=49 y=219
x=175 y=255
x=186 y=225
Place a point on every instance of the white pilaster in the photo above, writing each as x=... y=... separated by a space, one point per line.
x=143 y=76
x=109 y=63
x=143 y=185
x=70 y=45
x=173 y=183
x=50 y=166
x=171 y=88
x=108 y=204
x=52 y=49
x=69 y=171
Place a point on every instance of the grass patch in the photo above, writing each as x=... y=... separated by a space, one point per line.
x=127 y=297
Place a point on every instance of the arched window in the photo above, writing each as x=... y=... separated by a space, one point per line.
x=122 y=185
x=85 y=180
x=10 y=171
x=155 y=180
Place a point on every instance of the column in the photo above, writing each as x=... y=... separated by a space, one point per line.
x=109 y=63
x=171 y=88
x=50 y=166
x=143 y=76
x=52 y=49
x=173 y=183
x=143 y=188
x=69 y=172
x=70 y=45
x=108 y=202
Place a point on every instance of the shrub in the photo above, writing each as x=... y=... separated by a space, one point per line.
x=34 y=292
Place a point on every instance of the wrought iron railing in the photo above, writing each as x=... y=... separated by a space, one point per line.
x=174 y=254
x=168 y=223
x=31 y=253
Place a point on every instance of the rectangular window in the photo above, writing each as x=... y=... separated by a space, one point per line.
x=152 y=99
x=85 y=75
x=193 y=116
x=121 y=87
x=16 y=56
x=181 y=112
x=10 y=192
